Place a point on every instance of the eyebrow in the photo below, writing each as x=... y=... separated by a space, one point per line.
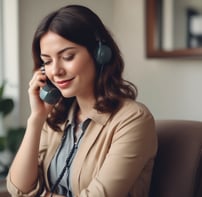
x=59 y=52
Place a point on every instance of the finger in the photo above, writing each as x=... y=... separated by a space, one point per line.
x=37 y=77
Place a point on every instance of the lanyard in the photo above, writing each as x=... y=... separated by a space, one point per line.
x=68 y=159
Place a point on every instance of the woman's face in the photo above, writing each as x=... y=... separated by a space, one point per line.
x=68 y=66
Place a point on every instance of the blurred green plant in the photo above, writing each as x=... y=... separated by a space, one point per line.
x=6 y=104
x=6 y=107
x=2 y=143
x=11 y=141
x=13 y=136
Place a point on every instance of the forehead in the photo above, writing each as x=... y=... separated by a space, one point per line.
x=52 y=42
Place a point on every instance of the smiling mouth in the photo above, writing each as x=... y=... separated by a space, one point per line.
x=65 y=83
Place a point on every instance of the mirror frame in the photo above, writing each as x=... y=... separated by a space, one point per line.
x=151 y=30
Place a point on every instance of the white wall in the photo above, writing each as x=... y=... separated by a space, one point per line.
x=10 y=57
x=170 y=88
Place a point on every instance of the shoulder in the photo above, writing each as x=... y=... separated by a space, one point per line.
x=135 y=121
x=133 y=117
x=134 y=110
x=134 y=105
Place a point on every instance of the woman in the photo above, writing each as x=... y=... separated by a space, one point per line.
x=96 y=141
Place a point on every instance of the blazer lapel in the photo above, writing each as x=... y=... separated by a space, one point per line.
x=91 y=134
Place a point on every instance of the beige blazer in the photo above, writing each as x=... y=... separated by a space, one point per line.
x=115 y=157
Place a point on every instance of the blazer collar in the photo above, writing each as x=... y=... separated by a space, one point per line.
x=96 y=116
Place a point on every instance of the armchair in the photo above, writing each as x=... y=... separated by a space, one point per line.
x=178 y=166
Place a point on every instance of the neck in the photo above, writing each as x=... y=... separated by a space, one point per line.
x=85 y=106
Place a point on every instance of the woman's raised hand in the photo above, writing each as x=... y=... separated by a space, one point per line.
x=38 y=107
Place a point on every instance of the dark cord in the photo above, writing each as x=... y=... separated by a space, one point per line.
x=68 y=160
x=67 y=165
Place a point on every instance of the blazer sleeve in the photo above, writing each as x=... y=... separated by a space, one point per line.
x=39 y=186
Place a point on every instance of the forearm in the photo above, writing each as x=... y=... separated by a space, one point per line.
x=24 y=169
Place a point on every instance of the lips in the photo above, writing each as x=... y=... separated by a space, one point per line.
x=64 y=83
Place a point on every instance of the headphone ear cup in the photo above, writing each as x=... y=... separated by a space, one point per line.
x=103 y=54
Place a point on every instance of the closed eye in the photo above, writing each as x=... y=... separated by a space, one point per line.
x=47 y=62
x=68 y=58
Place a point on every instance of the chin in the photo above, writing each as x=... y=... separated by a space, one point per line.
x=67 y=95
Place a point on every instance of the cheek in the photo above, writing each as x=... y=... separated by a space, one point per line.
x=85 y=67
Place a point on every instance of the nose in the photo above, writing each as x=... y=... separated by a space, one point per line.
x=57 y=68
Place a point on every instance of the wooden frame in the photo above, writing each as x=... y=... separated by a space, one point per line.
x=151 y=35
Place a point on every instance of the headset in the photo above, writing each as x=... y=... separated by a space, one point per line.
x=103 y=54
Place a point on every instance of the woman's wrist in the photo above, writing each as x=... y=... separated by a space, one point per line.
x=35 y=118
x=35 y=122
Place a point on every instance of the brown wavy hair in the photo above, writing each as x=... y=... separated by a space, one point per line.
x=82 y=26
